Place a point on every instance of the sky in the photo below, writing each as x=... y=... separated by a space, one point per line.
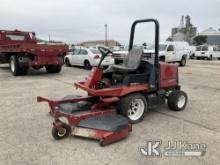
x=74 y=21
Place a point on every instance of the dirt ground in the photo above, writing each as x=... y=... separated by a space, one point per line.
x=25 y=125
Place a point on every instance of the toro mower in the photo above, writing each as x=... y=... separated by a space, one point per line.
x=118 y=96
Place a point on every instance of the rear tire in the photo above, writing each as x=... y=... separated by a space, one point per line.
x=58 y=68
x=162 y=59
x=192 y=57
x=58 y=136
x=53 y=68
x=67 y=62
x=87 y=65
x=133 y=107
x=183 y=61
x=177 y=100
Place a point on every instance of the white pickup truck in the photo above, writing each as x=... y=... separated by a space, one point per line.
x=206 y=52
x=119 y=56
x=171 y=51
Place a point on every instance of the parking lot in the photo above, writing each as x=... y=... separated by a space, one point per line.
x=25 y=129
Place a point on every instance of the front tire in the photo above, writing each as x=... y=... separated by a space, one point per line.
x=57 y=135
x=24 y=70
x=133 y=107
x=16 y=69
x=183 y=61
x=177 y=100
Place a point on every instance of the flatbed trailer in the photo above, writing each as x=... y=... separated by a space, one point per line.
x=22 y=51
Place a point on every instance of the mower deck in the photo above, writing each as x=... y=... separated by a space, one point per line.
x=84 y=121
x=106 y=128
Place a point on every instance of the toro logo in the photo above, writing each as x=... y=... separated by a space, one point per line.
x=168 y=72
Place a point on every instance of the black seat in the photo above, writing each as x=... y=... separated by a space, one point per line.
x=131 y=62
x=143 y=74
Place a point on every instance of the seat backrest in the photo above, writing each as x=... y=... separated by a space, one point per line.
x=133 y=59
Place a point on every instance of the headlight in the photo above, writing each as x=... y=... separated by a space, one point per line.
x=64 y=120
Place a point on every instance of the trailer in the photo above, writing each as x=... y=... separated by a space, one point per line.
x=21 y=50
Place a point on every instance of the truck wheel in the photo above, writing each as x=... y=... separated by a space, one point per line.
x=133 y=107
x=57 y=69
x=183 y=61
x=57 y=135
x=49 y=68
x=192 y=57
x=24 y=70
x=53 y=68
x=14 y=65
x=177 y=100
x=162 y=59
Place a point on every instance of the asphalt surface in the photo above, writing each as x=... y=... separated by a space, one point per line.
x=25 y=125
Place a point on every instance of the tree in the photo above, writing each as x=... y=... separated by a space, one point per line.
x=199 y=40
x=144 y=44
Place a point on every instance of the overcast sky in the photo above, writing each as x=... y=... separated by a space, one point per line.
x=76 y=21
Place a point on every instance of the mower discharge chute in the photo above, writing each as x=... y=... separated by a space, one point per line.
x=118 y=96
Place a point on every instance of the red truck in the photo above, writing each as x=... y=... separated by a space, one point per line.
x=22 y=51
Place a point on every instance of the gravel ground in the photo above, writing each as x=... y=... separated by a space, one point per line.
x=25 y=129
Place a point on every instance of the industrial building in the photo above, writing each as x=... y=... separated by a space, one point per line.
x=213 y=36
x=184 y=32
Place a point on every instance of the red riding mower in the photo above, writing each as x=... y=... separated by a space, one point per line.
x=118 y=96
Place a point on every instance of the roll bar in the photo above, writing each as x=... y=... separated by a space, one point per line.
x=156 y=60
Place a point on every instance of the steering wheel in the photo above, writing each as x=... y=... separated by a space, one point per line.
x=104 y=51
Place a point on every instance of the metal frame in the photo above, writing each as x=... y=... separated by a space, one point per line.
x=157 y=29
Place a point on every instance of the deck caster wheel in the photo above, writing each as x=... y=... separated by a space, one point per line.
x=133 y=107
x=177 y=100
x=58 y=135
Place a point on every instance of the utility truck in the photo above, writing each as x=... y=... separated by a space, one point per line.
x=22 y=51
x=171 y=51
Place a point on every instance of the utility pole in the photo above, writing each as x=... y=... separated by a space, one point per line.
x=106 y=35
x=49 y=37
